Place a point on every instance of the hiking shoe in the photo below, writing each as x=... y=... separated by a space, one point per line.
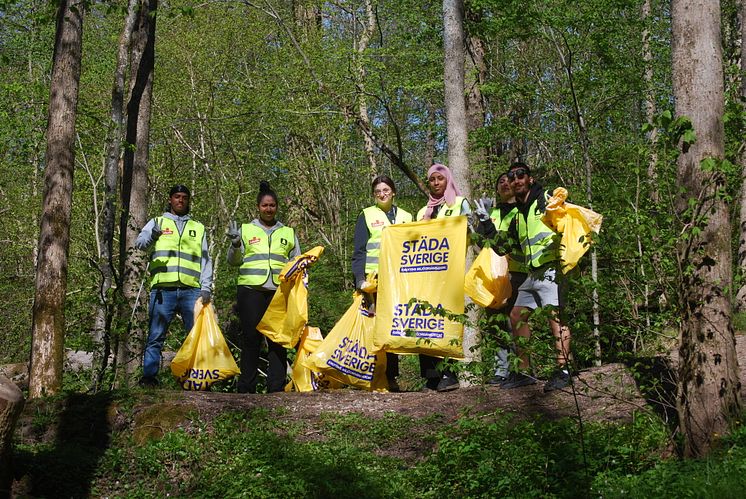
x=431 y=385
x=148 y=382
x=447 y=383
x=394 y=386
x=558 y=381
x=496 y=380
x=516 y=380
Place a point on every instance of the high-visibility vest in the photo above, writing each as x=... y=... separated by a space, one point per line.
x=453 y=210
x=376 y=220
x=539 y=243
x=177 y=258
x=516 y=260
x=264 y=254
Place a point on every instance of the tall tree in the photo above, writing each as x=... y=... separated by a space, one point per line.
x=48 y=327
x=741 y=296
x=708 y=386
x=135 y=176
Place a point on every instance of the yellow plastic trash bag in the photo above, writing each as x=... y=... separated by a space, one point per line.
x=287 y=313
x=302 y=378
x=575 y=223
x=347 y=353
x=488 y=280
x=425 y=261
x=204 y=357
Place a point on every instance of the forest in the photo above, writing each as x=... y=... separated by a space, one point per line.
x=636 y=107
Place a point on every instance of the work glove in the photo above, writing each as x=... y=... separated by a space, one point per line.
x=156 y=231
x=206 y=297
x=234 y=234
x=363 y=285
x=483 y=206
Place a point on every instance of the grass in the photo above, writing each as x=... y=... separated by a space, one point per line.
x=268 y=453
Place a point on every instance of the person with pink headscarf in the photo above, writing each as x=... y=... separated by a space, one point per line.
x=445 y=200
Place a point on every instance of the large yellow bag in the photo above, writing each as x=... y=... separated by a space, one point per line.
x=423 y=261
x=347 y=353
x=204 y=357
x=575 y=223
x=287 y=313
x=302 y=379
x=488 y=280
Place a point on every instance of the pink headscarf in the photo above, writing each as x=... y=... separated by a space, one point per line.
x=449 y=196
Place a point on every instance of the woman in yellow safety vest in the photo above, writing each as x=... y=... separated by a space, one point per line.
x=367 y=247
x=444 y=200
x=261 y=248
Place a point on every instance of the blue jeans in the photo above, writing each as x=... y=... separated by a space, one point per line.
x=164 y=303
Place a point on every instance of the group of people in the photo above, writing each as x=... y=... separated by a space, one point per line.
x=181 y=271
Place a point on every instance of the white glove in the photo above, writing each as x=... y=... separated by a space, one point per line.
x=481 y=212
x=234 y=234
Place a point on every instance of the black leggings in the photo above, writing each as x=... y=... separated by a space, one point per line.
x=252 y=304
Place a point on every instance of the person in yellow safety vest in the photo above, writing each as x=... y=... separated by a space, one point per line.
x=367 y=248
x=493 y=227
x=445 y=200
x=261 y=248
x=181 y=272
x=540 y=248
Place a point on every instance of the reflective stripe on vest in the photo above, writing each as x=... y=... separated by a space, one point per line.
x=453 y=210
x=177 y=258
x=516 y=258
x=539 y=243
x=376 y=220
x=264 y=254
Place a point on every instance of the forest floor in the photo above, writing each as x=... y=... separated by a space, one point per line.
x=607 y=393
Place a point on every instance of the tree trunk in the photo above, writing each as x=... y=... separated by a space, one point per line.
x=135 y=182
x=106 y=265
x=48 y=327
x=741 y=297
x=11 y=404
x=362 y=105
x=708 y=385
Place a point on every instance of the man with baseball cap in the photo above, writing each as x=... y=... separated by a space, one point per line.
x=180 y=273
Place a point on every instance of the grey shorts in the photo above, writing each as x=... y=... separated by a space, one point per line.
x=539 y=290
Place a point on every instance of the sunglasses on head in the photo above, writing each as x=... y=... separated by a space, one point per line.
x=518 y=173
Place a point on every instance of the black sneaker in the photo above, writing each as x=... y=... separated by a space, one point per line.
x=516 y=380
x=496 y=380
x=431 y=385
x=148 y=382
x=559 y=380
x=447 y=383
x=393 y=386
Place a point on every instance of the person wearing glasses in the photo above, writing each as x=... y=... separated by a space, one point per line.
x=493 y=227
x=444 y=200
x=539 y=246
x=180 y=273
x=367 y=248
x=261 y=248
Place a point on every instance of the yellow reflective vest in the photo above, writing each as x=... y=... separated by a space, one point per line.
x=177 y=258
x=264 y=254
x=453 y=210
x=376 y=220
x=516 y=260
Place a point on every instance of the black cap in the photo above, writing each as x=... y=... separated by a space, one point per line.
x=179 y=188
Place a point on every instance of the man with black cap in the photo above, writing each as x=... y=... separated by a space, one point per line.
x=180 y=273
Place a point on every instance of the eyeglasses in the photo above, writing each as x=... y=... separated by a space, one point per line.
x=518 y=173
x=381 y=192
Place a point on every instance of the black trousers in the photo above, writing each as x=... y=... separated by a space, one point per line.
x=252 y=304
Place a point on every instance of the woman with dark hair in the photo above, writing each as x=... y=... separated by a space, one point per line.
x=444 y=200
x=367 y=248
x=261 y=248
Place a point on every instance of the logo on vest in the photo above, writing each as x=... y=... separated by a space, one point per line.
x=377 y=223
x=255 y=240
x=283 y=241
x=167 y=231
x=192 y=233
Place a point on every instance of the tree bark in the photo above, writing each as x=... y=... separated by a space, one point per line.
x=362 y=104
x=48 y=326
x=741 y=297
x=135 y=181
x=11 y=404
x=708 y=385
